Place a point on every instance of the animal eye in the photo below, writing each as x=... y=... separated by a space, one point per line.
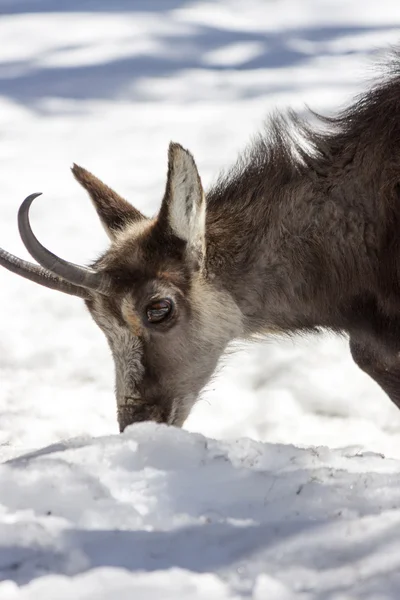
x=159 y=310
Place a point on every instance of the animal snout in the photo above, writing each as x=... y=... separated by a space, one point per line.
x=136 y=410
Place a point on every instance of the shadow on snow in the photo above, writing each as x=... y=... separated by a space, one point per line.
x=28 y=83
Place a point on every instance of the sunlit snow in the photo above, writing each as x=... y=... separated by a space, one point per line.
x=286 y=482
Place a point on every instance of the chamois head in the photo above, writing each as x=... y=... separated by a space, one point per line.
x=166 y=320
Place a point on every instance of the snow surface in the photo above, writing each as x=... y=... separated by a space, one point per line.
x=295 y=491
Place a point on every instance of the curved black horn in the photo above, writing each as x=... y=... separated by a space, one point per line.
x=39 y=275
x=75 y=274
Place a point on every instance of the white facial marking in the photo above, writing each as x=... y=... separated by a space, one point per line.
x=220 y=318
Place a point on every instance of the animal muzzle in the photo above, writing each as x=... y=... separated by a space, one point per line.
x=136 y=410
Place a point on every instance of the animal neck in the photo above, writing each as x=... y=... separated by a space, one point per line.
x=271 y=251
x=248 y=254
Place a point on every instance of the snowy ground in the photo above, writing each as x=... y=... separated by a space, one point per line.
x=86 y=513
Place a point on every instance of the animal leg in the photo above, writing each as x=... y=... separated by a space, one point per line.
x=381 y=362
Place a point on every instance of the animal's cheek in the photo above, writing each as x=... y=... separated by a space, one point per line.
x=133 y=321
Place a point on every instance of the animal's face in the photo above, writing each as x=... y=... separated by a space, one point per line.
x=165 y=345
x=166 y=325
x=166 y=321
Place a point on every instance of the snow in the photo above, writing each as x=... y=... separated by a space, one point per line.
x=112 y=512
x=285 y=482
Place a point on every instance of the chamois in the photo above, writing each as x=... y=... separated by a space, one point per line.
x=302 y=234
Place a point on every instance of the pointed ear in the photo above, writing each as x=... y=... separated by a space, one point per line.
x=184 y=205
x=115 y=213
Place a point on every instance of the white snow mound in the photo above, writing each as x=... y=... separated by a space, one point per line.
x=125 y=514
